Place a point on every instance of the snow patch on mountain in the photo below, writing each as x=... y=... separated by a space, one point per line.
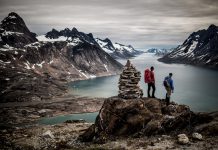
x=117 y=50
x=6 y=33
x=45 y=39
x=74 y=42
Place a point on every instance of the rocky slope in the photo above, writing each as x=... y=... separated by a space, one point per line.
x=34 y=70
x=201 y=48
x=144 y=123
x=117 y=50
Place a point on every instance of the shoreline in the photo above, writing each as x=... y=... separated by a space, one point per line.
x=17 y=113
x=65 y=135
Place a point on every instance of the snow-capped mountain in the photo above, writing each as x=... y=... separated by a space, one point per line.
x=33 y=68
x=158 y=52
x=201 y=48
x=70 y=36
x=117 y=50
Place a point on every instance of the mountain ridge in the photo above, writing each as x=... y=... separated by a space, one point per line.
x=117 y=50
x=200 y=48
x=32 y=69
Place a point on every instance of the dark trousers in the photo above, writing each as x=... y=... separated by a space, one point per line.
x=151 y=85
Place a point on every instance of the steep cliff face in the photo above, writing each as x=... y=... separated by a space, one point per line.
x=201 y=48
x=32 y=69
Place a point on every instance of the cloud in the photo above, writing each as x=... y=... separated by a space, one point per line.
x=141 y=23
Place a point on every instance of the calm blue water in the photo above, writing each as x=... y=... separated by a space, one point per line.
x=194 y=86
x=88 y=117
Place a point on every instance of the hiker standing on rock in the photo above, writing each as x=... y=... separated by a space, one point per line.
x=168 y=84
x=150 y=80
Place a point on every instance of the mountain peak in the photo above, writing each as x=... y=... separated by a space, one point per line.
x=11 y=22
x=212 y=27
x=200 y=48
x=107 y=40
x=14 y=27
x=66 y=29
x=74 y=29
x=13 y=14
x=53 y=34
x=54 y=30
x=90 y=35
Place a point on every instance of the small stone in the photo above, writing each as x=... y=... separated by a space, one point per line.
x=197 y=136
x=183 y=139
x=165 y=136
x=48 y=134
x=34 y=116
x=4 y=131
x=152 y=144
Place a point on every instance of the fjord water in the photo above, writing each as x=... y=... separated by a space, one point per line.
x=194 y=86
x=88 y=117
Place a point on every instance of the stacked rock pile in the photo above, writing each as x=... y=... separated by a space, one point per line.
x=128 y=82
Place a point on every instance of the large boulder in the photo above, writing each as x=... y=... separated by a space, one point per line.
x=147 y=116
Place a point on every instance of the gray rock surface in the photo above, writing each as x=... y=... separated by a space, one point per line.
x=197 y=136
x=129 y=82
x=146 y=117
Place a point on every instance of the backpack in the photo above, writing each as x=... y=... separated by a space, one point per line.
x=147 y=76
x=166 y=83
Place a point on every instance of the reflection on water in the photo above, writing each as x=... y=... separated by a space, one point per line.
x=194 y=86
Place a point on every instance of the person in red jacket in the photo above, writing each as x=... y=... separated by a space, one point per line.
x=150 y=80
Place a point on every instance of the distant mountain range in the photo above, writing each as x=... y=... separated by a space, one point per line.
x=36 y=67
x=74 y=37
x=200 y=48
x=159 y=52
x=117 y=50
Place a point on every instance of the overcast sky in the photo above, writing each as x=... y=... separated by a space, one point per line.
x=141 y=23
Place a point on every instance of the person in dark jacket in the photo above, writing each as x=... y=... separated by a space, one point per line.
x=150 y=79
x=169 y=86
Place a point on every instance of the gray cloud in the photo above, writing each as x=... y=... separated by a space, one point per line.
x=141 y=23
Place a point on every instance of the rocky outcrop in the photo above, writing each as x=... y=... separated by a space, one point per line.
x=32 y=69
x=120 y=117
x=201 y=48
x=128 y=82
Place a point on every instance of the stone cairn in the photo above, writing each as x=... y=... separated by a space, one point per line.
x=128 y=82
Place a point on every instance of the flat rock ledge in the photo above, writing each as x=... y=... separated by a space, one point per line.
x=147 y=117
